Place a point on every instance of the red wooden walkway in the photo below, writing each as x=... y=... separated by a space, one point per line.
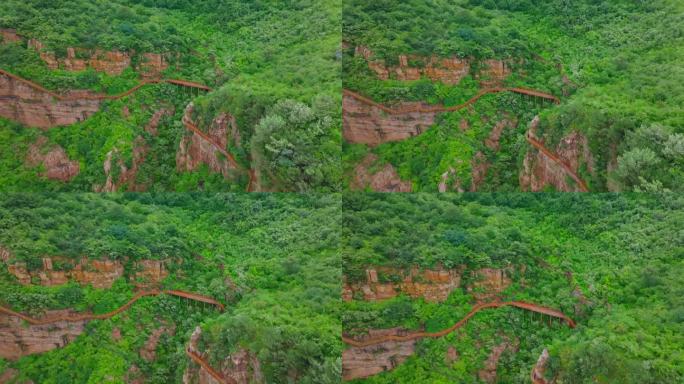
x=556 y=159
x=204 y=364
x=90 y=316
x=182 y=83
x=463 y=321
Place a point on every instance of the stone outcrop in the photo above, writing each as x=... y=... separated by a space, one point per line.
x=18 y=339
x=432 y=285
x=385 y=179
x=35 y=108
x=195 y=150
x=242 y=366
x=479 y=168
x=149 y=351
x=360 y=362
x=152 y=65
x=77 y=59
x=149 y=273
x=489 y=283
x=127 y=177
x=540 y=172
x=9 y=36
x=539 y=368
x=54 y=159
x=98 y=273
x=488 y=373
x=449 y=181
x=449 y=70
x=153 y=124
x=368 y=124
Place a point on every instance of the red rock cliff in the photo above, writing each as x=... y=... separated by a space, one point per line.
x=360 y=362
x=368 y=124
x=35 y=108
x=18 y=339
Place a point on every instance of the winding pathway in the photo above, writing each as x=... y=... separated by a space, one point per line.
x=90 y=316
x=556 y=159
x=436 y=109
x=182 y=83
x=199 y=360
x=477 y=308
x=439 y=108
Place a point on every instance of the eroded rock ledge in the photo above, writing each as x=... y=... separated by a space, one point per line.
x=383 y=283
x=35 y=108
x=360 y=362
x=242 y=366
x=17 y=339
x=98 y=273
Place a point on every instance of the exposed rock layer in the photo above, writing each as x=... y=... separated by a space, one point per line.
x=368 y=361
x=18 y=339
x=195 y=150
x=368 y=124
x=242 y=366
x=35 y=108
x=98 y=273
x=540 y=172
x=385 y=179
x=449 y=70
x=55 y=161
x=432 y=285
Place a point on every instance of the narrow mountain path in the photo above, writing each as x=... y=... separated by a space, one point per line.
x=439 y=108
x=556 y=159
x=477 y=308
x=194 y=356
x=181 y=83
x=90 y=316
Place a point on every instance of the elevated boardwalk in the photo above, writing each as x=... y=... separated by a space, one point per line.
x=419 y=335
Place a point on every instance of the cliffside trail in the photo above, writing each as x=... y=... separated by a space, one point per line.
x=418 y=335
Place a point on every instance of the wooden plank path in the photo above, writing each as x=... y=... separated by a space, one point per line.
x=90 y=316
x=556 y=159
x=477 y=308
x=182 y=83
x=199 y=360
x=439 y=108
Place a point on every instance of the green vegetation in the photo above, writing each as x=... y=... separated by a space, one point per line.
x=611 y=262
x=270 y=258
x=614 y=64
x=255 y=55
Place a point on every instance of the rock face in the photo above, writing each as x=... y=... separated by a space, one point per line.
x=384 y=180
x=449 y=70
x=539 y=368
x=111 y=62
x=126 y=176
x=149 y=273
x=57 y=164
x=368 y=361
x=149 y=350
x=98 y=273
x=242 y=366
x=368 y=124
x=35 y=108
x=9 y=36
x=432 y=285
x=195 y=150
x=17 y=339
x=153 y=64
x=489 y=283
x=540 y=172
x=488 y=373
